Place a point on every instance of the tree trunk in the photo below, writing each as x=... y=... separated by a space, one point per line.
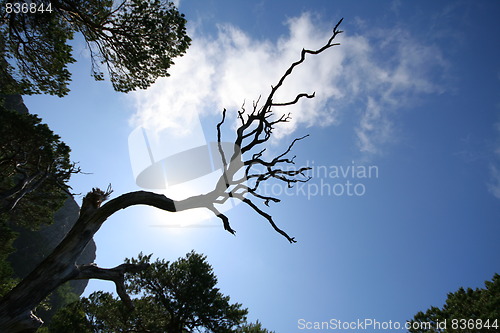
x=16 y=307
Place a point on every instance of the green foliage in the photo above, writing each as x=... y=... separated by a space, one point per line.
x=135 y=40
x=186 y=292
x=476 y=306
x=172 y=297
x=71 y=318
x=34 y=167
x=7 y=236
x=33 y=53
x=253 y=328
x=58 y=299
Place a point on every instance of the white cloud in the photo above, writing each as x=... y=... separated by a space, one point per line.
x=225 y=71
x=373 y=127
x=388 y=70
x=383 y=70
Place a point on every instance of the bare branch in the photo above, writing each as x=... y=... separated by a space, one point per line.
x=329 y=44
x=256 y=129
x=225 y=220
x=299 y=96
x=117 y=275
x=269 y=218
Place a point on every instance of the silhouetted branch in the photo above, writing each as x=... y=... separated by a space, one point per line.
x=117 y=275
x=256 y=129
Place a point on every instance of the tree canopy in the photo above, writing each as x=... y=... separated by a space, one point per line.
x=34 y=168
x=134 y=41
x=179 y=296
x=466 y=310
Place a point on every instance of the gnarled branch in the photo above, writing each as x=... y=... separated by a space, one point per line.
x=116 y=274
x=256 y=129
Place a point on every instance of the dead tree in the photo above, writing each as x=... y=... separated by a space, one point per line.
x=255 y=129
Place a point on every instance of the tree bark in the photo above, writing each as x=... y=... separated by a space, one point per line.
x=16 y=307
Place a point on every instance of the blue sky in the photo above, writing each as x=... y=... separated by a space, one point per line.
x=413 y=91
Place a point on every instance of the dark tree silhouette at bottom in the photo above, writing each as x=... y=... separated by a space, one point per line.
x=179 y=296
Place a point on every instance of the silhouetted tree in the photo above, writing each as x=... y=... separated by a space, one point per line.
x=173 y=297
x=135 y=40
x=34 y=170
x=255 y=129
x=471 y=310
x=252 y=328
